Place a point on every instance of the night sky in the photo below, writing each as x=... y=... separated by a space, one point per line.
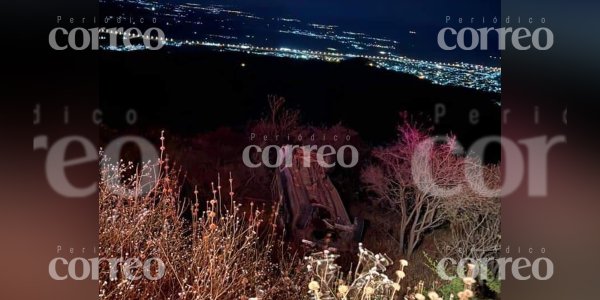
x=392 y=12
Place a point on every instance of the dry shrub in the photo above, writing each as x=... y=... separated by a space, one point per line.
x=368 y=280
x=225 y=251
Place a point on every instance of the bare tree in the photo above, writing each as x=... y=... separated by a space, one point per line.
x=416 y=179
x=280 y=121
x=475 y=223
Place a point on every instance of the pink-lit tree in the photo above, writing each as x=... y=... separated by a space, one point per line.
x=423 y=183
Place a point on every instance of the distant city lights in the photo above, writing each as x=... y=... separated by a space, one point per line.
x=379 y=51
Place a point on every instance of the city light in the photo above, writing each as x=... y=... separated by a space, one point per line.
x=337 y=44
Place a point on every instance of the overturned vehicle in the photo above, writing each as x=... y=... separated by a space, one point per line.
x=312 y=211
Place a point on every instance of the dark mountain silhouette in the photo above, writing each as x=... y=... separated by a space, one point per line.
x=190 y=90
